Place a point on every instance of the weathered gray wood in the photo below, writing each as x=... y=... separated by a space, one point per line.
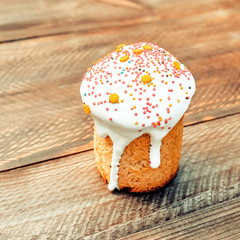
x=66 y=198
x=220 y=221
x=40 y=108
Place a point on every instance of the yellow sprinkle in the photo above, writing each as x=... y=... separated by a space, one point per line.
x=181 y=88
x=170 y=105
x=134 y=98
x=176 y=65
x=146 y=71
x=136 y=123
x=120 y=46
x=146 y=79
x=130 y=86
x=100 y=80
x=124 y=58
x=86 y=108
x=147 y=47
x=186 y=92
x=137 y=51
x=113 y=98
x=160 y=100
x=178 y=100
x=130 y=94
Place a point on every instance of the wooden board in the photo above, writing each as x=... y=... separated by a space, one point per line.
x=220 y=221
x=26 y=19
x=40 y=108
x=67 y=199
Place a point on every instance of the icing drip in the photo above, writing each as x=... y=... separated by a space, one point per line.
x=139 y=88
x=117 y=153
x=155 y=156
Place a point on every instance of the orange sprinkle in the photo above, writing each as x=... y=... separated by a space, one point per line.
x=113 y=98
x=124 y=58
x=160 y=100
x=181 y=88
x=86 y=108
x=176 y=65
x=136 y=123
x=120 y=46
x=160 y=119
x=170 y=105
x=146 y=79
x=147 y=47
x=137 y=51
x=178 y=100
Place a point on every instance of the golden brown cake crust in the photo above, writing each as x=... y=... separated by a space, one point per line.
x=135 y=174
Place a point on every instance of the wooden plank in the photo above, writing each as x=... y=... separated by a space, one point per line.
x=220 y=221
x=67 y=199
x=22 y=19
x=40 y=107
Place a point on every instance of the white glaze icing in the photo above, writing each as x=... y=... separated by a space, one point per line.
x=165 y=96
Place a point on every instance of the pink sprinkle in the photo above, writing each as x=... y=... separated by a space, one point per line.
x=135 y=114
x=148 y=117
x=169 y=128
x=143 y=125
x=107 y=109
x=115 y=109
x=110 y=119
x=157 y=114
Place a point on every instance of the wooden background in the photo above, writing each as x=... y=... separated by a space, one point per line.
x=46 y=47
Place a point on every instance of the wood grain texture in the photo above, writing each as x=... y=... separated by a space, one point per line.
x=217 y=222
x=40 y=106
x=67 y=199
x=26 y=19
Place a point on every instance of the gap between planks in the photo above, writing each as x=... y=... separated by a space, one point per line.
x=89 y=146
